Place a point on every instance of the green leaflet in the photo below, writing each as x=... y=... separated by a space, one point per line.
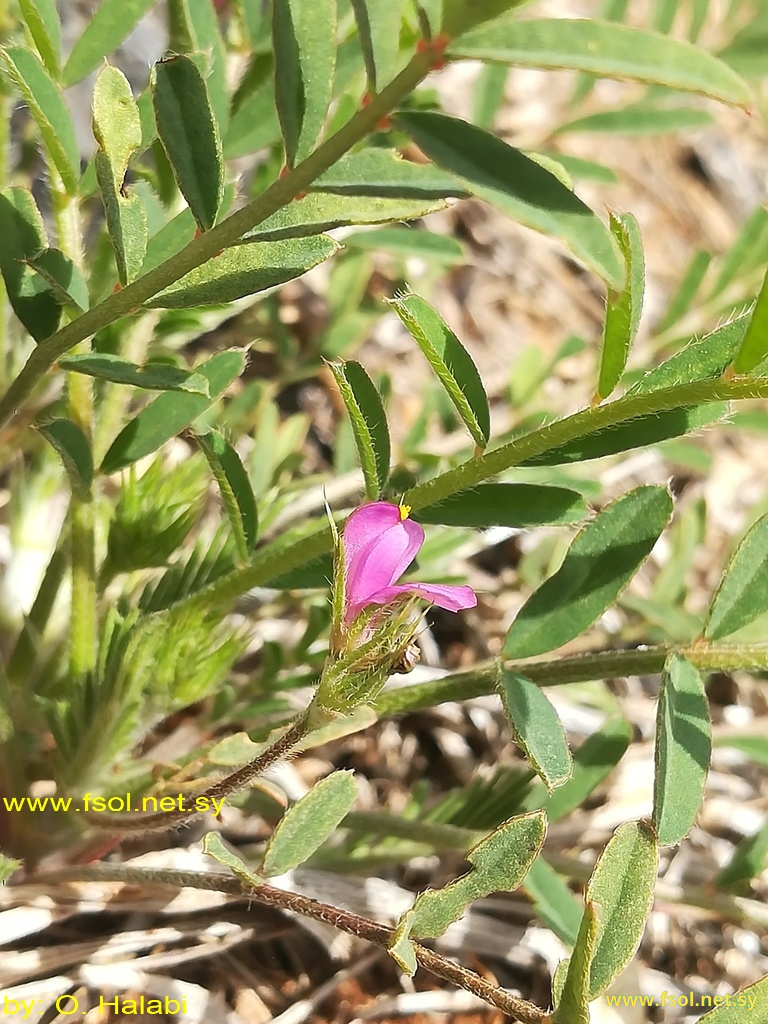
x=743 y=591
x=244 y=270
x=306 y=826
x=682 y=751
x=754 y=345
x=152 y=376
x=536 y=728
x=235 y=489
x=516 y=184
x=190 y=136
x=635 y=433
x=452 y=364
x=320 y=212
x=600 y=562
x=383 y=172
x=63 y=277
x=42 y=20
x=117 y=129
x=499 y=864
x=111 y=23
x=171 y=412
x=515 y=505
x=623 y=309
x=304 y=40
x=75 y=452
x=622 y=887
x=378 y=26
x=23 y=235
x=47 y=106
x=701 y=359
x=603 y=48
x=369 y=423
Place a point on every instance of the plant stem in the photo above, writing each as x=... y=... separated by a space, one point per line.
x=83 y=627
x=580 y=668
x=210 y=243
x=292 y=550
x=143 y=824
x=353 y=924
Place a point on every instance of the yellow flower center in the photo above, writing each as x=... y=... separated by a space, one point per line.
x=404 y=511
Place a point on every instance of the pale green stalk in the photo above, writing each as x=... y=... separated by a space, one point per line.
x=83 y=618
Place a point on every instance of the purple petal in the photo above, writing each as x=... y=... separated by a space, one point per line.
x=378 y=547
x=453 y=599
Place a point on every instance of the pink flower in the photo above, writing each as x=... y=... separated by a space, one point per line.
x=380 y=542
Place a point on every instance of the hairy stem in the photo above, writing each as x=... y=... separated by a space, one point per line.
x=142 y=824
x=518 y=1009
x=83 y=628
x=297 y=548
x=579 y=668
x=210 y=243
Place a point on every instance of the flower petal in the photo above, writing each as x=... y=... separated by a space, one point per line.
x=444 y=595
x=378 y=547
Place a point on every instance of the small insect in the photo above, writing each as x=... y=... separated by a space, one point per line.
x=408 y=659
